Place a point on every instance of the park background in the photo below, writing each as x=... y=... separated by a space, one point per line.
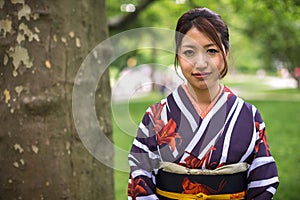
x=261 y=71
x=43 y=44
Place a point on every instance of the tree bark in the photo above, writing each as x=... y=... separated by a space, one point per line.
x=42 y=44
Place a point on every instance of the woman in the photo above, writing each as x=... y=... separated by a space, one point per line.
x=202 y=141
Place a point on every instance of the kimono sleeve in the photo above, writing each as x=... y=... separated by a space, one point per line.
x=262 y=175
x=143 y=161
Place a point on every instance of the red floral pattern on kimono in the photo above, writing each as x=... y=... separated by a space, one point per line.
x=262 y=138
x=165 y=133
x=159 y=129
x=194 y=162
x=156 y=111
x=135 y=189
x=195 y=188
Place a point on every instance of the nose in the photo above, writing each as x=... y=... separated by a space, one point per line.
x=201 y=61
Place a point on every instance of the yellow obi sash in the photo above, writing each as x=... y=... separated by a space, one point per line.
x=200 y=196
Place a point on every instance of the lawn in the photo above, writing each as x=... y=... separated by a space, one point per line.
x=280 y=110
x=124 y=133
x=282 y=119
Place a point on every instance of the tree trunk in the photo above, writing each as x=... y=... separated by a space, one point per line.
x=298 y=82
x=42 y=45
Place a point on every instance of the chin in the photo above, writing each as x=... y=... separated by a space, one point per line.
x=205 y=85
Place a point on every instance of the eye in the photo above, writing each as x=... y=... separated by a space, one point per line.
x=188 y=53
x=212 y=51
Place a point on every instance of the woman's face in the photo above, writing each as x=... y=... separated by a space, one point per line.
x=200 y=60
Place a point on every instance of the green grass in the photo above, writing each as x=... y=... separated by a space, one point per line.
x=125 y=128
x=282 y=119
x=280 y=110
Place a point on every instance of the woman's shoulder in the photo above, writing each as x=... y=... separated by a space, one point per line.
x=169 y=96
x=157 y=105
x=233 y=96
x=167 y=102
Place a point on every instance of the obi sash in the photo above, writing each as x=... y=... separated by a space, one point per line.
x=177 y=182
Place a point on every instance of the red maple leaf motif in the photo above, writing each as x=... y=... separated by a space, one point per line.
x=262 y=138
x=135 y=189
x=168 y=135
x=194 y=162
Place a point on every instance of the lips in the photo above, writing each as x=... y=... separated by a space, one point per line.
x=201 y=75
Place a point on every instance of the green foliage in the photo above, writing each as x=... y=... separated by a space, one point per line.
x=263 y=34
x=275 y=25
x=163 y=14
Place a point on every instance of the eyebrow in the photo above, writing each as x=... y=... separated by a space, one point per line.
x=193 y=46
x=209 y=45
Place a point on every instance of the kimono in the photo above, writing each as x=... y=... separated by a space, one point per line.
x=173 y=131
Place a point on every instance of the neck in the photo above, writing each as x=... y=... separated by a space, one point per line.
x=204 y=97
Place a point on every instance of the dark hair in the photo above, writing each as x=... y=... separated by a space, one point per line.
x=207 y=22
